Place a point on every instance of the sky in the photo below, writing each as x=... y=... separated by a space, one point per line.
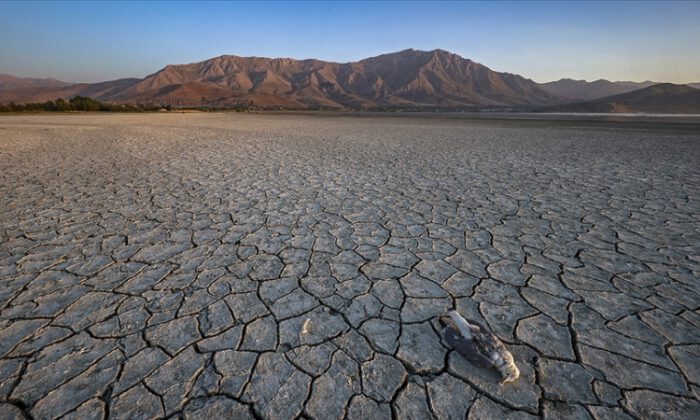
x=544 y=41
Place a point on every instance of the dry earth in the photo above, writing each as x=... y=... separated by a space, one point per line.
x=230 y=265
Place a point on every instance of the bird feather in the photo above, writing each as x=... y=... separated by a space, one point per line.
x=464 y=327
x=466 y=347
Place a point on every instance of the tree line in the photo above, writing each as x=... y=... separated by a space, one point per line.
x=79 y=103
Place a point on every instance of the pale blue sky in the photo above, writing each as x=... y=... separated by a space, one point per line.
x=82 y=41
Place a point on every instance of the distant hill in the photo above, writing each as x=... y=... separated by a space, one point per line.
x=406 y=79
x=587 y=91
x=664 y=98
x=9 y=82
x=104 y=91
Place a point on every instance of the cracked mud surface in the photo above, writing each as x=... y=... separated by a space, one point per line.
x=212 y=265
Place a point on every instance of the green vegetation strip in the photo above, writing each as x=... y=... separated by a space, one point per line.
x=79 y=103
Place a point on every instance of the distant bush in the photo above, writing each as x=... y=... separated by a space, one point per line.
x=80 y=103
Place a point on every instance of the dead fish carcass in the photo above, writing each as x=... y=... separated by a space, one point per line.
x=478 y=345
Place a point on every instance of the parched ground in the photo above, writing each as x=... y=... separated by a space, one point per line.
x=232 y=265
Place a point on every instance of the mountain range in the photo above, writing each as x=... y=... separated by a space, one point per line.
x=588 y=91
x=409 y=79
x=672 y=99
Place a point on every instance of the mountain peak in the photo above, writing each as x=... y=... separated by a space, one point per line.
x=441 y=52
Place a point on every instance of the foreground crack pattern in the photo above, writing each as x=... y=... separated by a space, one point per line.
x=208 y=266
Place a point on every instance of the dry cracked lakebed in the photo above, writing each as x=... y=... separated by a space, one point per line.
x=277 y=266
